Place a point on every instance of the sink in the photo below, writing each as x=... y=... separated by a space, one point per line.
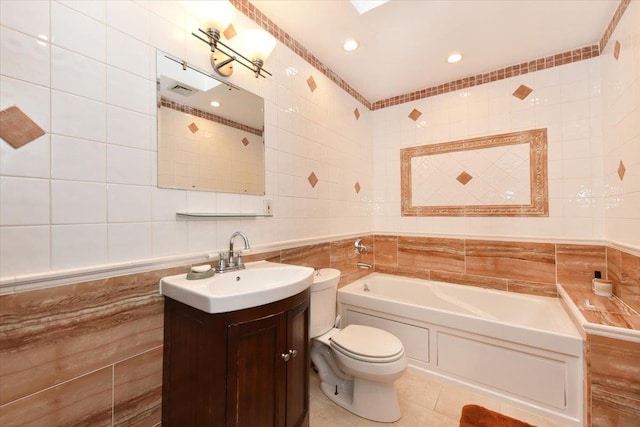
x=261 y=282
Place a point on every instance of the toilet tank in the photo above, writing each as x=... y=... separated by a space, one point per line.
x=323 y=301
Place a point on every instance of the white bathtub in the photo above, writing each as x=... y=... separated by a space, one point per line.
x=522 y=349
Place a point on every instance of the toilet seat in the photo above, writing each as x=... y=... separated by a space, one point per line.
x=367 y=344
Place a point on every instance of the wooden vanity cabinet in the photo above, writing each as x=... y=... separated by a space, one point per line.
x=243 y=368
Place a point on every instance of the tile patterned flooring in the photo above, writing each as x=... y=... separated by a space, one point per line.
x=424 y=402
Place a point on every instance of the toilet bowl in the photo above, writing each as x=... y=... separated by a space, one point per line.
x=357 y=365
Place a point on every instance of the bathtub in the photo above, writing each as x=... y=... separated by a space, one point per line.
x=521 y=349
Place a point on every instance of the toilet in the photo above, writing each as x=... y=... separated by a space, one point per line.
x=357 y=365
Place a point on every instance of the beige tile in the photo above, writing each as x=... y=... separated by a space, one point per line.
x=528 y=261
x=315 y=256
x=138 y=390
x=418 y=390
x=466 y=279
x=53 y=335
x=431 y=253
x=629 y=291
x=83 y=401
x=453 y=398
x=345 y=258
x=386 y=250
x=418 y=395
x=418 y=416
x=576 y=263
x=531 y=288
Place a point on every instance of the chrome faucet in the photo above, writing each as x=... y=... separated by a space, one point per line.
x=232 y=260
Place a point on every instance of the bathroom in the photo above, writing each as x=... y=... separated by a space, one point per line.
x=86 y=234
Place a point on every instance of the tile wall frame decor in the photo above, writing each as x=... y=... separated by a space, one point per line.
x=416 y=175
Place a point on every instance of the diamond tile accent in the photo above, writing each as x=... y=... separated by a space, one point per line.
x=616 y=50
x=193 y=127
x=229 y=32
x=313 y=180
x=356 y=113
x=522 y=92
x=17 y=128
x=245 y=141
x=357 y=187
x=464 y=178
x=413 y=115
x=312 y=84
x=621 y=170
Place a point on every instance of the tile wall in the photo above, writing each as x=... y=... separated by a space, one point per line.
x=91 y=353
x=620 y=62
x=565 y=100
x=84 y=194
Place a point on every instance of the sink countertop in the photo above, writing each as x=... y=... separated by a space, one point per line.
x=260 y=283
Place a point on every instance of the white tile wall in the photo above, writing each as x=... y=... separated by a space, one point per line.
x=565 y=100
x=85 y=72
x=84 y=194
x=621 y=132
x=78 y=245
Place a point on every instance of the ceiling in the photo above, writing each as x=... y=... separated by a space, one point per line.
x=404 y=43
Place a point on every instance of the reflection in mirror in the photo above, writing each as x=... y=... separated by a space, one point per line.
x=210 y=133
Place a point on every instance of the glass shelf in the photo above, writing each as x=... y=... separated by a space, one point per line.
x=222 y=215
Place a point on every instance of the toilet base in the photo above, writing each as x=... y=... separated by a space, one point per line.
x=367 y=399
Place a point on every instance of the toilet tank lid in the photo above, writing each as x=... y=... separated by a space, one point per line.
x=325 y=277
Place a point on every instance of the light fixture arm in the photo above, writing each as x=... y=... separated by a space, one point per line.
x=213 y=40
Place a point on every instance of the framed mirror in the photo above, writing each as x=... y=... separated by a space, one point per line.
x=210 y=132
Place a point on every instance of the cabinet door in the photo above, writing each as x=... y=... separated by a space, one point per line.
x=298 y=366
x=256 y=372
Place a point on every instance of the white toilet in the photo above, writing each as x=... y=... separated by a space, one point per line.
x=357 y=365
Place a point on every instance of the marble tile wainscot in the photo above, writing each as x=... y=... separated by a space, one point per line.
x=91 y=352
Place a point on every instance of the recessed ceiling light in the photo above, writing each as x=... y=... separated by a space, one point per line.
x=350 y=45
x=215 y=104
x=454 y=57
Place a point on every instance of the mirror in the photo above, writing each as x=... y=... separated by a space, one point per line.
x=205 y=147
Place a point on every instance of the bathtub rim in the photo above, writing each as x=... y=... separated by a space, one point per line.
x=566 y=343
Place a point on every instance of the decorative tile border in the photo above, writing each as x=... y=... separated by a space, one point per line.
x=539 y=205
x=207 y=116
x=615 y=19
x=563 y=58
x=262 y=20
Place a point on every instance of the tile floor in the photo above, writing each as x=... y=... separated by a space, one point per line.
x=424 y=402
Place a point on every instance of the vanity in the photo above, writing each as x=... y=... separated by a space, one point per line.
x=236 y=348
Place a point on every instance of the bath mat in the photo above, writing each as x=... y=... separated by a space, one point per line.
x=477 y=416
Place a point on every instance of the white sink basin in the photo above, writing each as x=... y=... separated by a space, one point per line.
x=260 y=283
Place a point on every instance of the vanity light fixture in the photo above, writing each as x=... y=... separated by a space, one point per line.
x=350 y=45
x=215 y=103
x=454 y=57
x=258 y=42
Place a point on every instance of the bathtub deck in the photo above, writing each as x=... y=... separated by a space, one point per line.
x=424 y=403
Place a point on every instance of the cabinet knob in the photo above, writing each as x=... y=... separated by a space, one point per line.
x=293 y=353
x=285 y=356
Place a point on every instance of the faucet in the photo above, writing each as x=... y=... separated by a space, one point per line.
x=226 y=261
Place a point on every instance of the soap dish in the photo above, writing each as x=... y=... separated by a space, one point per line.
x=200 y=272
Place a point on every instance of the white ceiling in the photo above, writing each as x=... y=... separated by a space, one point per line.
x=404 y=43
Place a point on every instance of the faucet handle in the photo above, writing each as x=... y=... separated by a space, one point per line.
x=239 y=261
x=221 y=262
